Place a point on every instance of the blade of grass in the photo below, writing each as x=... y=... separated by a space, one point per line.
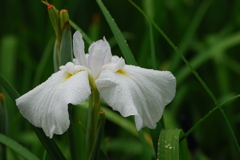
x=190 y=31
x=160 y=125
x=208 y=114
x=3 y=124
x=193 y=71
x=17 y=147
x=232 y=64
x=153 y=55
x=183 y=148
x=221 y=45
x=148 y=151
x=127 y=53
x=49 y=144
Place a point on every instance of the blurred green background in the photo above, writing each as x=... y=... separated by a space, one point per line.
x=205 y=31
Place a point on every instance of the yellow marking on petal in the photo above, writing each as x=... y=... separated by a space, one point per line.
x=120 y=71
x=68 y=75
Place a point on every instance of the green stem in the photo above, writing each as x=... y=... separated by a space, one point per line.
x=92 y=120
x=97 y=144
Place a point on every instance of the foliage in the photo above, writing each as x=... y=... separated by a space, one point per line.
x=204 y=32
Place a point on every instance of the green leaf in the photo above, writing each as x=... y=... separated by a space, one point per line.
x=127 y=53
x=49 y=144
x=148 y=151
x=183 y=149
x=210 y=93
x=92 y=118
x=168 y=144
x=77 y=132
x=97 y=143
x=66 y=39
x=66 y=47
x=9 y=89
x=155 y=135
x=3 y=124
x=190 y=32
x=17 y=147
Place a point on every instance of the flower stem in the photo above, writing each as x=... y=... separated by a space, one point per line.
x=93 y=117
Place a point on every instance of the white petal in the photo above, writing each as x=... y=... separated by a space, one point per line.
x=69 y=67
x=99 y=54
x=115 y=65
x=108 y=54
x=78 y=49
x=46 y=106
x=137 y=91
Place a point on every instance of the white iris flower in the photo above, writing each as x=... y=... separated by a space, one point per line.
x=130 y=90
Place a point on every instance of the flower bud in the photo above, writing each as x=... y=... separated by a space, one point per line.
x=53 y=15
x=64 y=19
x=63 y=45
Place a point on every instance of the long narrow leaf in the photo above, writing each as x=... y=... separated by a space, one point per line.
x=194 y=72
x=208 y=114
x=76 y=132
x=49 y=144
x=97 y=144
x=66 y=46
x=168 y=148
x=17 y=147
x=3 y=124
x=190 y=31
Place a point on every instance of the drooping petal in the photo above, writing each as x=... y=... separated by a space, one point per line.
x=137 y=91
x=46 y=106
x=78 y=49
x=99 y=54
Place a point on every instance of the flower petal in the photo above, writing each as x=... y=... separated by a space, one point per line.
x=137 y=91
x=46 y=106
x=99 y=54
x=78 y=49
x=115 y=65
